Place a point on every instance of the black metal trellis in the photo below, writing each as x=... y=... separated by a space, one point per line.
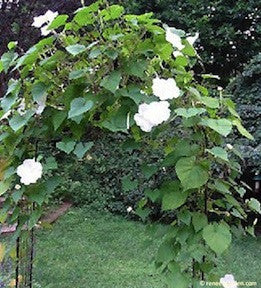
x=25 y=247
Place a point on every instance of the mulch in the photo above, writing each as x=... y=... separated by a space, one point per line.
x=49 y=218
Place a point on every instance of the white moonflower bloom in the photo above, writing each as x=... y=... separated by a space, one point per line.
x=174 y=39
x=165 y=89
x=45 y=31
x=129 y=209
x=30 y=171
x=47 y=18
x=177 y=53
x=228 y=281
x=192 y=39
x=39 y=21
x=229 y=146
x=153 y=114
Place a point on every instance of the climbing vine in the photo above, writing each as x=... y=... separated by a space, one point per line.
x=133 y=75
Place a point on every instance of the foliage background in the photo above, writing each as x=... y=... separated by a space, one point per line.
x=220 y=23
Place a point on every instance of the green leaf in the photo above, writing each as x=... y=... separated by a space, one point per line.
x=181 y=61
x=199 y=221
x=133 y=92
x=79 y=106
x=66 y=146
x=190 y=112
x=222 y=186
x=172 y=196
x=50 y=164
x=58 y=22
x=8 y=101
x=75 y=49
x=58 y=118
x=1 y=66
x=84 y=16
x=118 y=120
x=18 y=121
x=148 y=170
x=39 y=91
x=222 y=126
x=143 y=213
x=128 y=184
x=210 y=102
x=219 y=153
x=34 y=217
x=4 y=186
x=112 y=12
x=8 y=59
x=77 y=74
x=112 y=81
x=81 y=149
x=166 y=253
x=177 y=280
x=11 y=95
x=242 y=130
x=95 y=53
x=137 y=68
x=217 y=236
x=185 y=217
x=254 y=204
x=153 y=195
x=191 y=174
x=210 y=76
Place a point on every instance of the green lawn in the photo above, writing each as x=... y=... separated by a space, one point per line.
x=103 y=251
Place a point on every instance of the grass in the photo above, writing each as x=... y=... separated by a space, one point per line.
x=95 y=251
x=90 y=250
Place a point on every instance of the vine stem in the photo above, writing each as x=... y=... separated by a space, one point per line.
x=205 y=203
x=32 y=236
x=17 y=260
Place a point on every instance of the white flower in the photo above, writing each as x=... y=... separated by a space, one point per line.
x=48 y=17
x=30 y=171
x=220 y=88
x=153 y=114
x=45 y=31
x=17 y=187
x=174 y=39
x=228 y=281
x=39 y=21
x=192 y=39
x=165 y=89
x=129 y=209
x=229 y=146
x=177 y=53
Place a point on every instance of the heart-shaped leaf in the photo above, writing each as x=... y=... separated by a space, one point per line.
x=217 y=236
x=191 y=174
x=82 y=148
x=222 y=126
x=79 y=106
x=66 y=146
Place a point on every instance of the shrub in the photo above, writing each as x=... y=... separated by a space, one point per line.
x=125 y=74
x=112 y=176
x=226 y=29
x=245 y=90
